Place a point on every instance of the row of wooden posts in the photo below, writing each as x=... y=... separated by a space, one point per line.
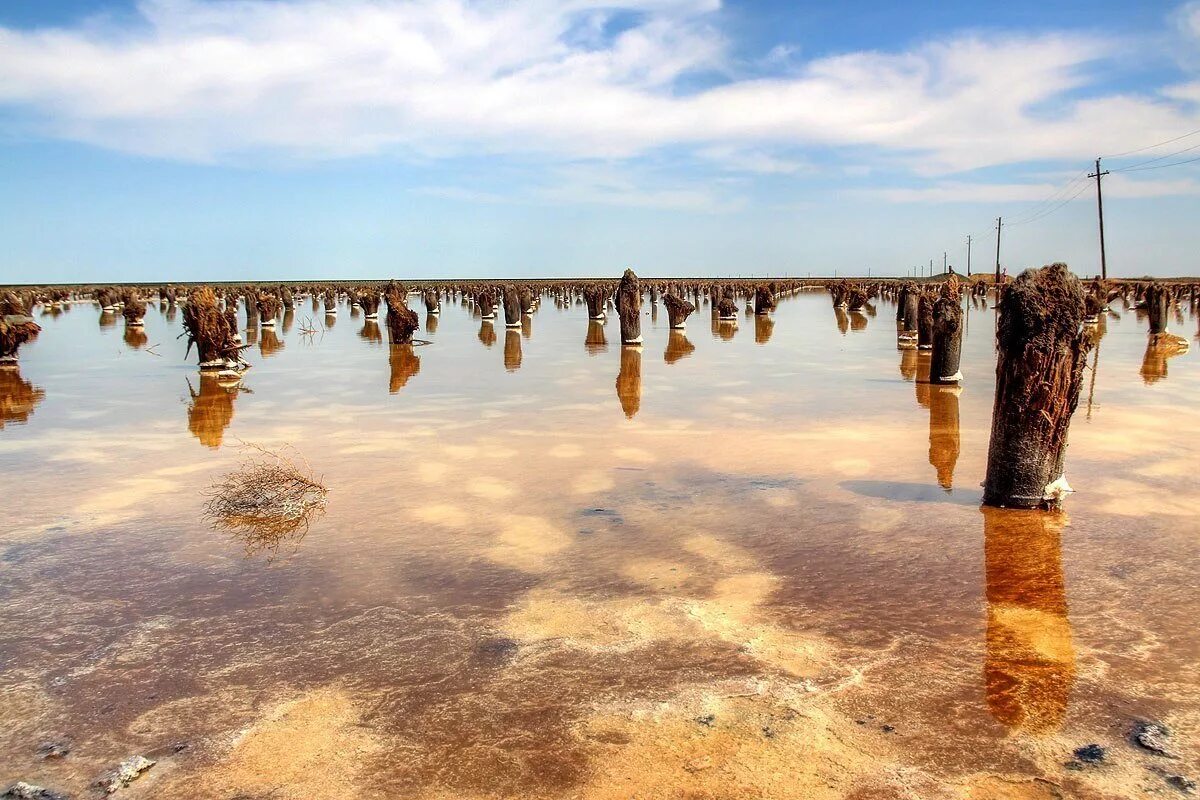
x=1043 y=336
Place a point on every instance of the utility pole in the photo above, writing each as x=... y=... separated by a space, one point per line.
x=999 y=223
x=968 y=256
x=1100 y=210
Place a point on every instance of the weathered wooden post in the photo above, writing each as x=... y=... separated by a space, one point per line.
x=212 y=333
x=401 y=320
x=764 y=302
x=369 y=301
x=911 y=316
x=678 y=310
x=268 y=309
x=512 y=307
x=1040 y=352
x=596 y=297
x=486 y=303
x=925 y=321
x=947 y=341
x=16 y=328
x=433 y=303
x=330 y=302
x=629 y=308
x=726 y=307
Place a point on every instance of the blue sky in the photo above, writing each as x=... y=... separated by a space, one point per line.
x=262 y=139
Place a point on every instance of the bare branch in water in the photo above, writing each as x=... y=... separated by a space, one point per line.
x=271 y=499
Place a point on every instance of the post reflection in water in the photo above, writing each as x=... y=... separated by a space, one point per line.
x=135 y=337
x=923 y=388
x=370 y=332
x=1030 y=660
x=908 y=363
x=107 y=319
x=724 y=329
x=289 y=318
x=678 y=346
x=512 y=349
x=1159 y=349
x=595 y=341
x=487 y=332
x=629 y=380
x=431 y=323
x=18 y=397
x=211 y=408
x=403 y=363
x=764 y=326
x=269 y=342
x=943 y=433
x=843 y=320
x=527 y=326
x=858 y=320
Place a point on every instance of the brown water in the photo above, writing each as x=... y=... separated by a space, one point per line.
x=741 y=562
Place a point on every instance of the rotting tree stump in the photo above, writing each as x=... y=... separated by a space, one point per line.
x=678 y=310
x=947 y=341
x=629 y=308
x=1040 y=352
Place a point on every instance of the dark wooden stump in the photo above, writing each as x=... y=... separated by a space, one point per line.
x=947 y=341
x=512 y=307
x=1041 y=349
x=925 y=322
x=678 y=310
x=401 y=320
x=629 y=308
x=764 y=302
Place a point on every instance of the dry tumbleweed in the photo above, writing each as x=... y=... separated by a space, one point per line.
x=268 y=500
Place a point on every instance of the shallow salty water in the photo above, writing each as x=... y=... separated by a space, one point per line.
x=740 y=562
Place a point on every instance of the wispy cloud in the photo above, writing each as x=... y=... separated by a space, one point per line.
x=1116 y=186
x=323 y=79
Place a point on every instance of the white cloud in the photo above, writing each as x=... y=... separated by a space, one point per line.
x=331 y=78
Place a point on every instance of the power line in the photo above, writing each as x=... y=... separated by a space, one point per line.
x=1035 y=210
x=1050 y=211
x=1160 y=166
x=1160 y=158
x=1152 y=146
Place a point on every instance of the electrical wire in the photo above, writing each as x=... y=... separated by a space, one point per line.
x=1162 y=166
x=1049 y=211
x=1152 y=146
x=1154 y=160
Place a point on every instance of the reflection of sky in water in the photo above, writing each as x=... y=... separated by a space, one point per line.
x=548 y=515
